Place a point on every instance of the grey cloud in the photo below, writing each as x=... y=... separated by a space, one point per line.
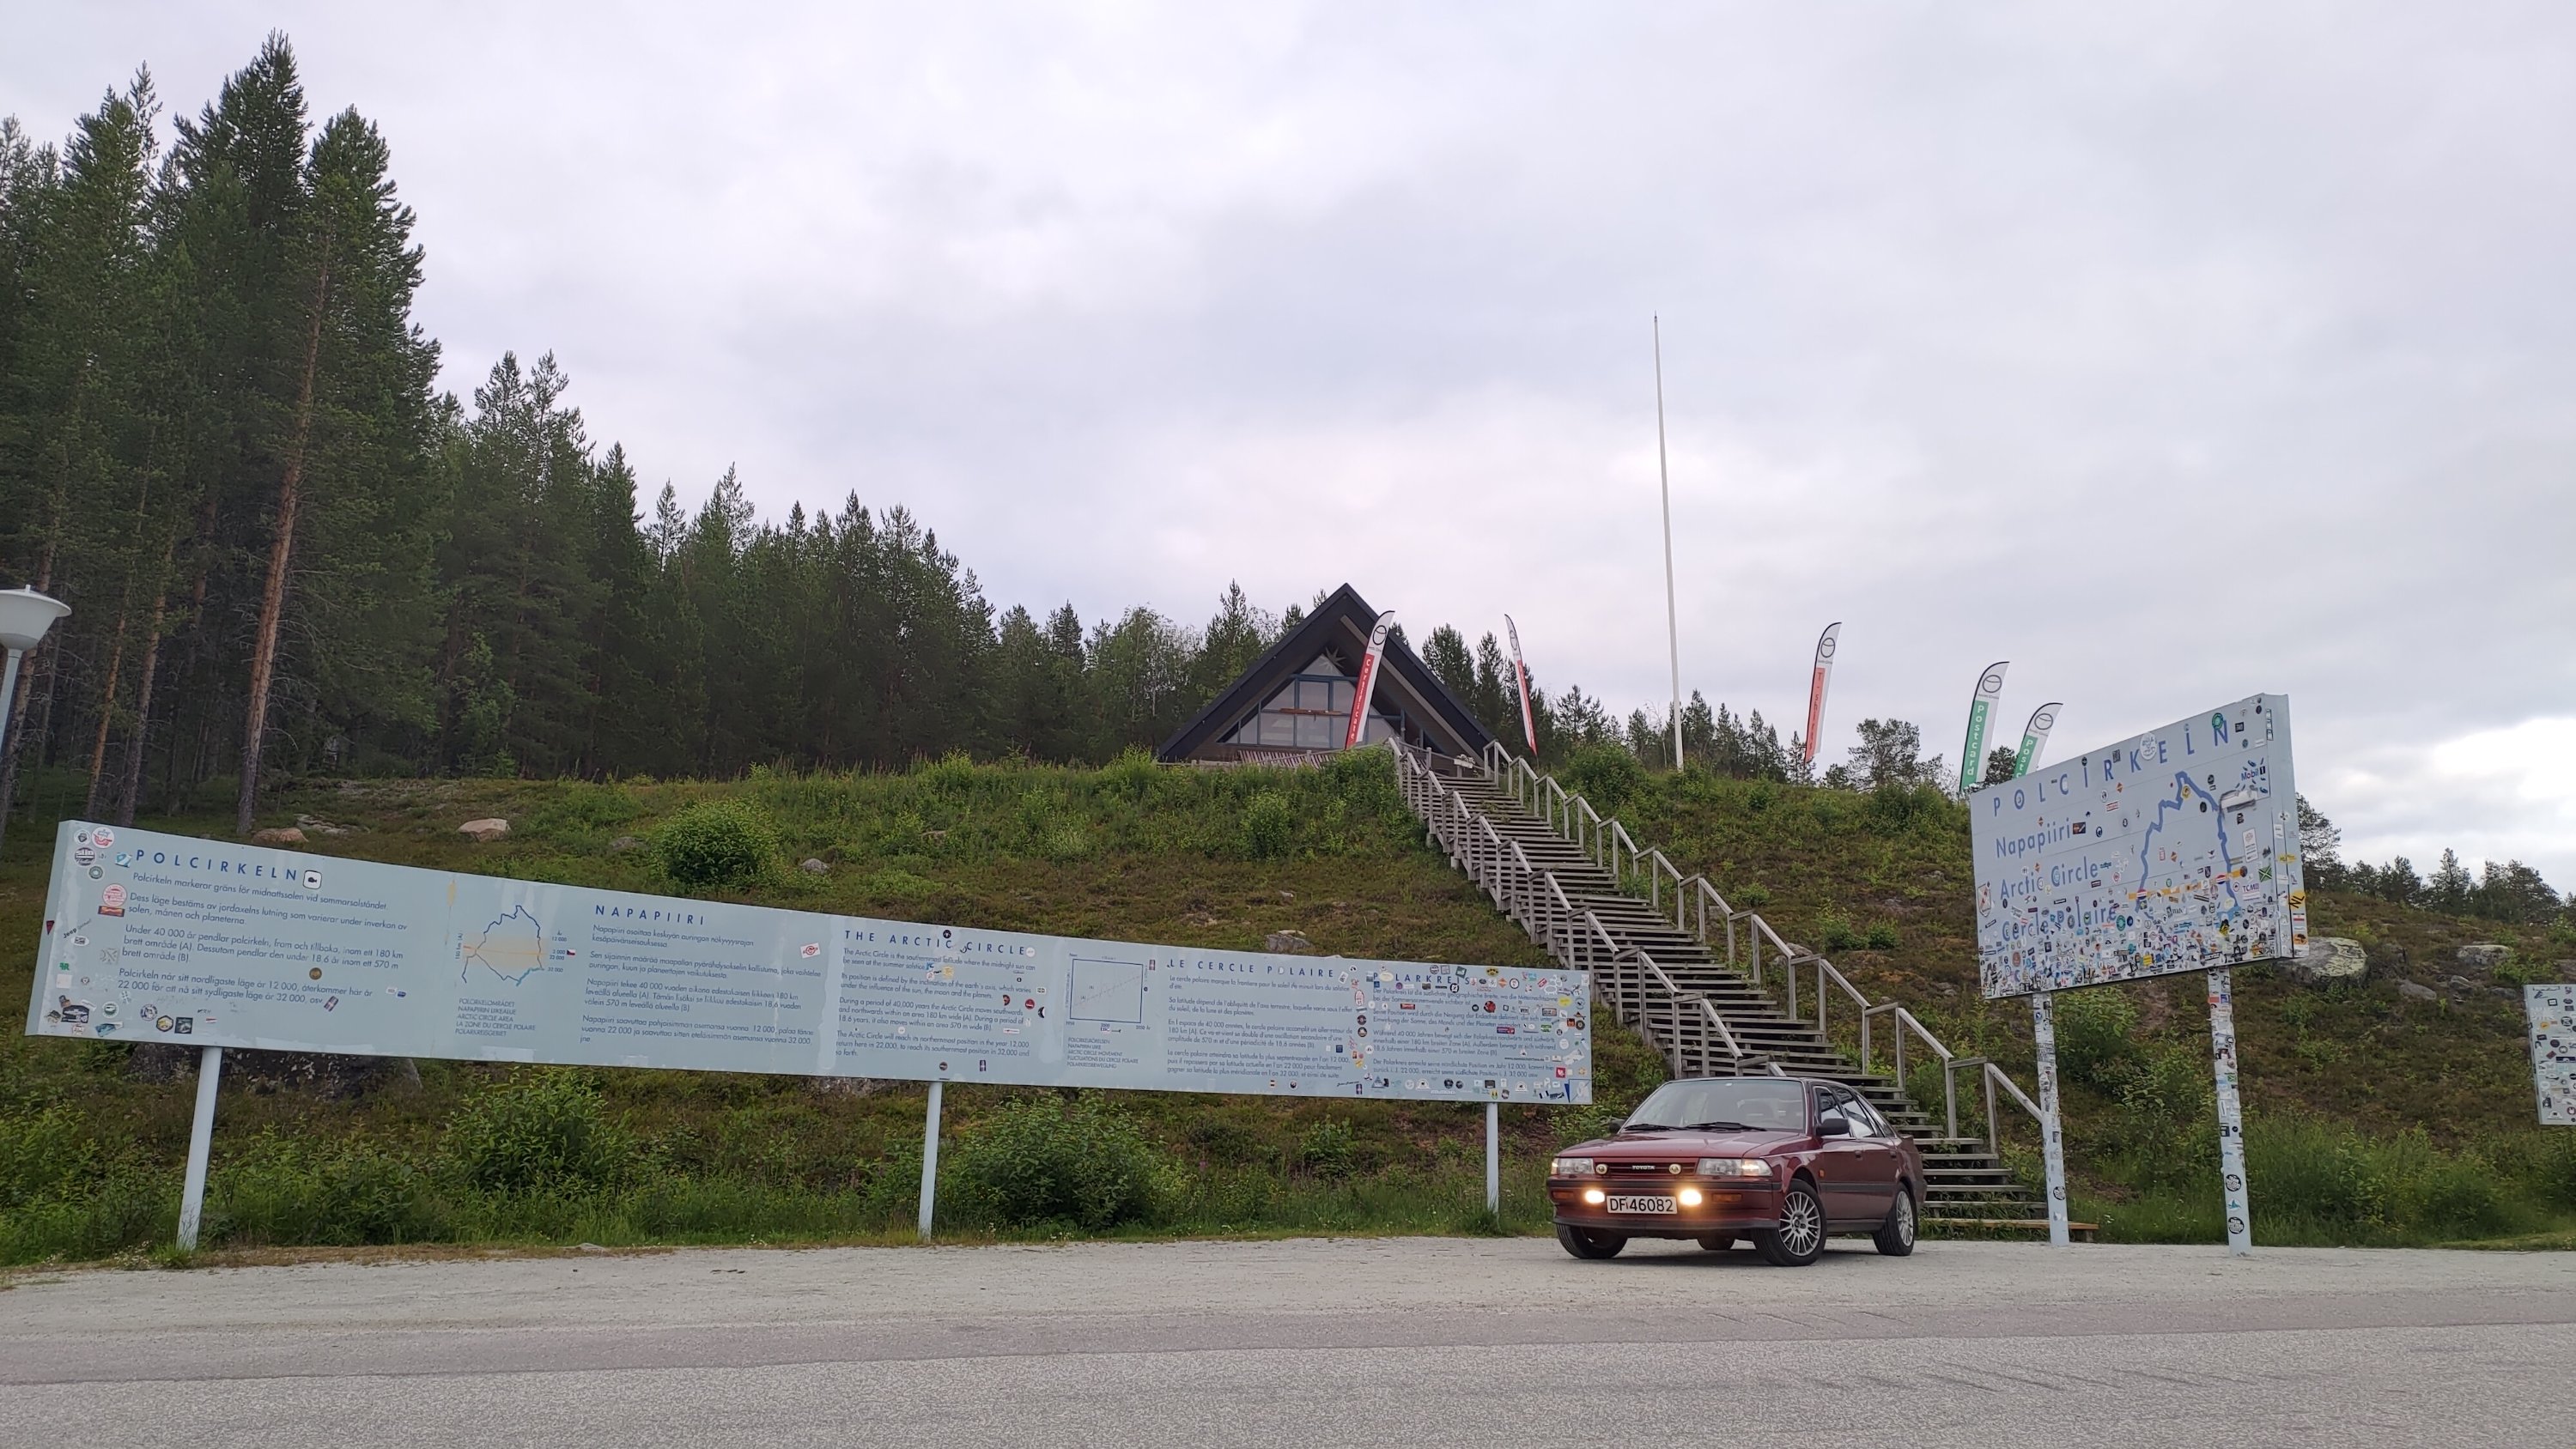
x=2172 y=354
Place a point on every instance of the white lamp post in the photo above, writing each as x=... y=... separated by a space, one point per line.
x=25 y=615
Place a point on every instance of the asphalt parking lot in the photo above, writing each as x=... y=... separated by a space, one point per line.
x=1402 y=1341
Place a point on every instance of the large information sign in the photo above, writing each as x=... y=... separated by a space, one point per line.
x=154 y=937
x=2177 y=850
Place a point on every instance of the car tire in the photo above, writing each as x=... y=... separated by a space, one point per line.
x=1589 y=1245
x=1718 y=1243
x=1800 y=1237
x=1895 y=1237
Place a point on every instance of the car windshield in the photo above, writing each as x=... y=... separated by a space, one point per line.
x=1766 y=1104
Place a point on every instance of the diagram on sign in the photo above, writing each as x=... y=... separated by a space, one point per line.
x=512 y=947
x=1106 y=989
x=2173 y=851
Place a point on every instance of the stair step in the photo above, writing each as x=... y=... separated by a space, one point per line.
x=1965 y=1186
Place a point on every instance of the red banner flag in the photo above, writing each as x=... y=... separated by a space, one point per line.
x=1367 y=679
x=1825 y=644
x=1529 y=725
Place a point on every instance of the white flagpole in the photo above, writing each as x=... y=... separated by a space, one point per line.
x=1664 y=474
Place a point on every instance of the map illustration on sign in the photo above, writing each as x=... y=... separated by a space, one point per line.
x=1106 y=990
x=2173 y=851
x=511 y=948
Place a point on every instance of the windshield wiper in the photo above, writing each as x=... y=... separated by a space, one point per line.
x=1707 y=1126
x=1650 y=1127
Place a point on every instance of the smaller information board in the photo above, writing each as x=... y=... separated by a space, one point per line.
x=2552 y=1009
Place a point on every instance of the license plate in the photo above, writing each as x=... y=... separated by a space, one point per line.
x=1642 y=1205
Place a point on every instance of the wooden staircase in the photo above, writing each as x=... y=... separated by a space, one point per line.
x=1704 y=1002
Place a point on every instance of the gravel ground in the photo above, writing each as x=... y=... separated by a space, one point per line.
x=1400 y=1341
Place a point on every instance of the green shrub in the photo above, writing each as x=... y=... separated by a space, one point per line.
x=292 y=1191
x=120 y=1209
x=1882 y=936
x=1132 y=775
x=1226 y=1141
x=1328 y=1149
x=893 y=1191
x=1269 y=826
x=1364 y=780
x=2545 y=1164
x=573 y=808
x=44 y=1155
x=1750 y=898
x=2318 y=1176
x=538 y=1132
x=951 y=774
x=1894 y=809
x=716 y=845
x=896 y=881
x=1600 y=1119
x=1044 y=1160
x=2165 y=1122
x=1606 y=775
x=1834 y=931
x=2516 y=970
x=2097 y=1039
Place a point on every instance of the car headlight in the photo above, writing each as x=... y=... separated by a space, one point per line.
x=1595 y=1196
x=1734 y=1167
x=1689 y=1197
x=1570 y=1167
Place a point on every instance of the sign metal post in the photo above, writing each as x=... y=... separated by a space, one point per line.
x=930 y=1159
x=2231 y=1117
x=201 y=1141
x=2052 y=1138
x=1493 y=1158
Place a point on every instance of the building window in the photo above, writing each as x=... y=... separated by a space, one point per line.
x=1312 y=711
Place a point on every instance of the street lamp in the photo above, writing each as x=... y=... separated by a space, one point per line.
x=25 y=615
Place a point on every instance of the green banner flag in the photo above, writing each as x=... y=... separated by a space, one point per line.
x=2034 y=737
x=1981 y=709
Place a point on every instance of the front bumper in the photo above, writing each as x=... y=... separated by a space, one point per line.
x=1734 y=1205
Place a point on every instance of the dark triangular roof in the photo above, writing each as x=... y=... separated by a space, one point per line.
x=1338 y=626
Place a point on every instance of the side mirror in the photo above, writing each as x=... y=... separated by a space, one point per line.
x=1833 y=1124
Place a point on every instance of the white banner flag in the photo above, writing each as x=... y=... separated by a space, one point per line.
x=1825 y=644
x=1367 y=679
x=1520 y=671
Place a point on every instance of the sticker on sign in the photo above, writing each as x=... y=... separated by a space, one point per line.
x=2175 y=850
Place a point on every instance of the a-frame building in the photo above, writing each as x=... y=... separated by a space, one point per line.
x=1293 y=705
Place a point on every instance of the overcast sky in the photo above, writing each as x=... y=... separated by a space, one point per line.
x=2172 y=353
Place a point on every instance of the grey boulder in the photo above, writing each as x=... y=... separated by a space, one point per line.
x=2328 y=959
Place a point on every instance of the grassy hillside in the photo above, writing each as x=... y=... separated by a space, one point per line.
x=2375 y=1118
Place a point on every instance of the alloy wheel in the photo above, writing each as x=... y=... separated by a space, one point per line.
x=1802 y=1224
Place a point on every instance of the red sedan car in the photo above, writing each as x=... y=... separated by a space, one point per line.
x=1785 y=1161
